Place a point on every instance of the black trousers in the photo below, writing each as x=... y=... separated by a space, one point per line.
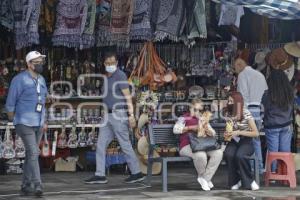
x=238 y=166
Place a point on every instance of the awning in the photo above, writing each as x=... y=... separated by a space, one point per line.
x=279 y=9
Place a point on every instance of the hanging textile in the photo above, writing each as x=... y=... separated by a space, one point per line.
x=198 y=29
x=70 y=23
x=47 y=16
x=26 y=16
x=279 y=9
x=141 y=25
x=88 y=38
x=114 y=21
x=121 y=18
x=6 y=14
x=103 y=23
x=169 y=19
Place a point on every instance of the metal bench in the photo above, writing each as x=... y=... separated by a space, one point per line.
x=162 y=134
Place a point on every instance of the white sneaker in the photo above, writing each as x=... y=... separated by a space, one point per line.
x=203 y=183
x=254 y=186
x=236 y=186
x=210 y=184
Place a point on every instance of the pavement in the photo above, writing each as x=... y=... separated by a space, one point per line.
x=182 y=185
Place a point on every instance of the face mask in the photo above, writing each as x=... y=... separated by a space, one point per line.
x=111 y=68
x=38 y=68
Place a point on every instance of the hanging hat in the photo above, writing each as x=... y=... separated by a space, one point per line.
x=144 y=119
x=143 y=146
x=293 y=48
x=279 y=59
x=260 y=60
x=196 y=91
x=290 y=72
x=143 y=162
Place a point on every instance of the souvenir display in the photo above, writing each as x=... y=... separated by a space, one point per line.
x=62 y=138
x=72 y=142
x=19 y=147
x=46 y=150
x=8 y=145
x=82 y=139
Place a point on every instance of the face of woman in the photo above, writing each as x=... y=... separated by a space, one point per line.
x=196 y=109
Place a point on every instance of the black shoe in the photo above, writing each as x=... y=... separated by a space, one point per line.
x=96 y=180
x=25 y=190
x=38 y=192
x=135 y=178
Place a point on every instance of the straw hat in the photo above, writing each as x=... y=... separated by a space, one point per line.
x=144 y=119
x=279 y=59
x=293 y=48
x=143 y=160
x=143 y=146
x=260 y=61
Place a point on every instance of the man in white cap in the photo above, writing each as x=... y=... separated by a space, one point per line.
x=25 y=105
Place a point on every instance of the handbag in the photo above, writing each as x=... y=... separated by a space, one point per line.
x=203 y=143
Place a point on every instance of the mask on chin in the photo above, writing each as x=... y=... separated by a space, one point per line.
x=111 y=68
x=38 y=68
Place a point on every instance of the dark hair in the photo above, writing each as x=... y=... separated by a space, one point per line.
x=280 y=90
x=238 y=105
x=110 y=53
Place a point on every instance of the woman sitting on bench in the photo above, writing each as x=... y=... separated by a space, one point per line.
x=240 y=130
x=205 y=169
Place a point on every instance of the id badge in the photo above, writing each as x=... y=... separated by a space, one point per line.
x=39 y=107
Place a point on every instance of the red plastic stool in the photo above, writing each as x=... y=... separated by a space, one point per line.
x=286 y=168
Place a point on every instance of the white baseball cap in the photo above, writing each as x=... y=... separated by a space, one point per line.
x=33 y=55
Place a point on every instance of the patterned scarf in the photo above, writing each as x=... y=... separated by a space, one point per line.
x=26 y=16
x=141 y=25
x=6 y=14
x=114 y=21
x=70 y=22
x=87 y=38
x=169 y=19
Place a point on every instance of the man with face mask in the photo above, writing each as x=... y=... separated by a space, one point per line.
x=25 y=105
x=119 y=115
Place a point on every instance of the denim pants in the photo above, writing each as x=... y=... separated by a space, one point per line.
x=255 y=111
x=31 y=137
x=115 y=125
x=279 y=140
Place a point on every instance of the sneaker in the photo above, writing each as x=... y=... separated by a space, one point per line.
x=38 y=192
x=236 y=186
x=25 y=190
x=210 y=184
x=254 y=186
x=96 y=180
x=203 y=183
x=135 y=178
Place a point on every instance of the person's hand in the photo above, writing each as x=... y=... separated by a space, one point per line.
x=132 y=122
x=45 y=127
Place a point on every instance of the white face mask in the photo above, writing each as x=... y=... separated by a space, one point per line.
x=111 y=68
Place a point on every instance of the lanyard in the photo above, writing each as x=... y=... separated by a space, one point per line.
x=38 y=88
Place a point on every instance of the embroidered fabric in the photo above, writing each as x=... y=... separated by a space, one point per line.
x=26 y=15
x=141 y=25
x=70 y=22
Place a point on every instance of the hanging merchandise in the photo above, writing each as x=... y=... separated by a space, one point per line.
x=26 y=17
x=70 y=23
x=169 y=19
x=88 y=38
x=47 y=17
x=150 y=70
x=113 y=22
x=141 y=25
x=6 y=14
x=195 y=21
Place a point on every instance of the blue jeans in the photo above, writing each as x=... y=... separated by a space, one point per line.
x=255 y=111
x=279 y=140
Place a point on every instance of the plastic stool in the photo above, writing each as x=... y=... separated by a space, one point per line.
x=286 y=164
